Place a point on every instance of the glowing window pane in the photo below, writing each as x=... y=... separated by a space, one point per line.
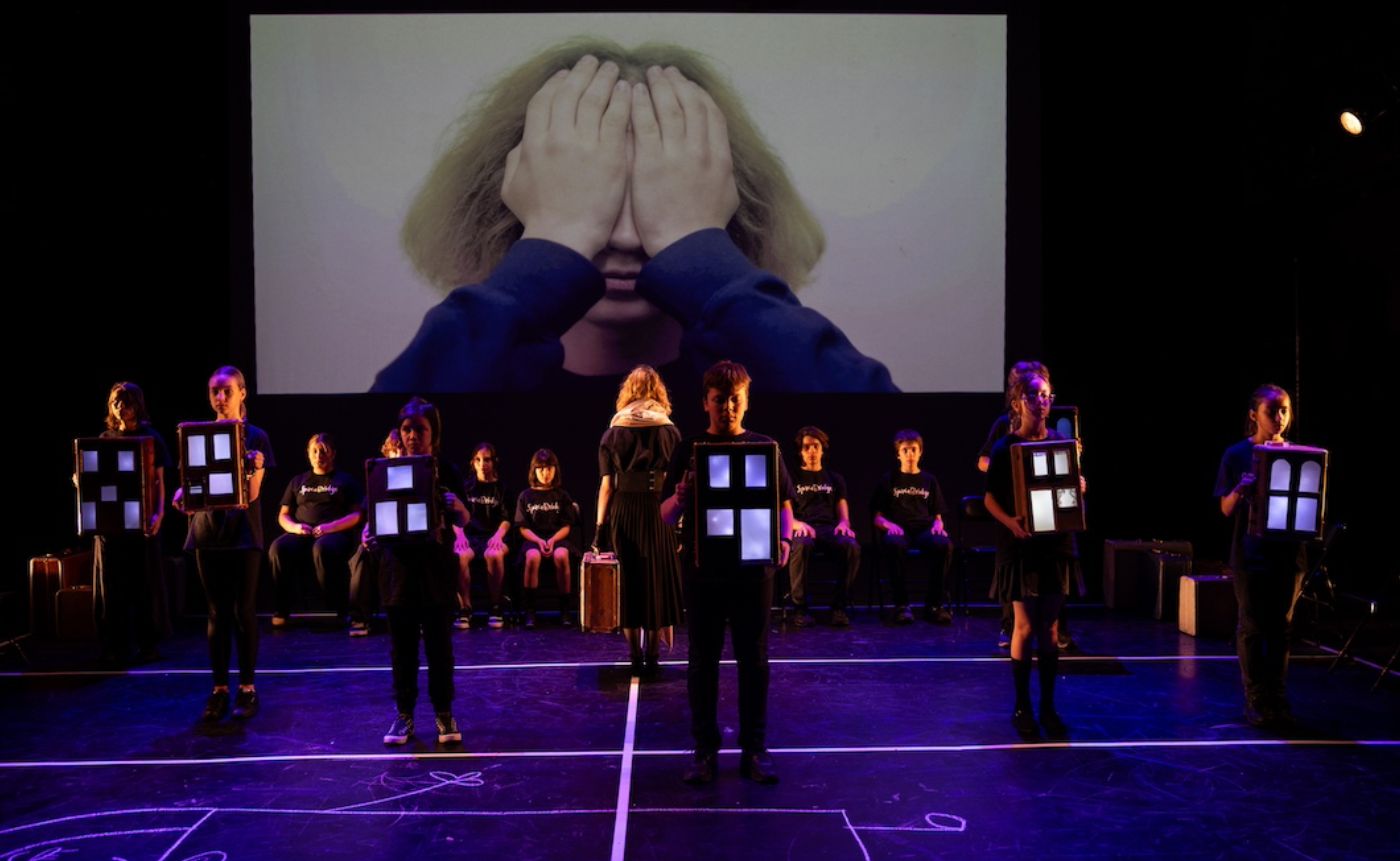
x=755 y=534
x=109 y=493
x=719 y=470
x=223 y=446
x=400 y=477
x=1064 y=427
x=131 y=515
x=1305 y=518
x=1062 y=462
x=1067 y=497
x=194 y=450
x=89 y=461
x=755 y=470
x=1039 y=464
x=126 y=461
x=196 y=490
x=719 y=521
x=386 y=518
x=1278 y=512
x=220 y=484
x=417 y=516
x=1310 y=477
x=1042 y=511
x=89 y=516
x=1279 y=475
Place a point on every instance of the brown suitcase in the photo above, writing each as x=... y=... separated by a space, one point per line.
x=47 y=575
x=74 y=618
x=600 y=593
x=1130 y=573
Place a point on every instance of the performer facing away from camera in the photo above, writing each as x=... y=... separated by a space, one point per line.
x=633 y=456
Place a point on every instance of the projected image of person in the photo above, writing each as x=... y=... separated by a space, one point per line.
x=608 y=208
x=1268 y=572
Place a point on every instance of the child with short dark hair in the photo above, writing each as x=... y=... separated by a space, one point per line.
x=909 y=507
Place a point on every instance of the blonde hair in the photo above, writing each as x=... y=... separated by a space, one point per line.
x=643 y=384
x=458 y=228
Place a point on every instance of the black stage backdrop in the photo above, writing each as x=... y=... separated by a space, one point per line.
x=1184 y=223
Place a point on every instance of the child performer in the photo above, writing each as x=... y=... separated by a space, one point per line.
x=546 y=516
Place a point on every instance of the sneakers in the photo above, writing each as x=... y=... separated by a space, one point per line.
x=400 y=730
x=1004 y=638
x=903 y=615
x=497 y=619
x=801 y=618
x=245 y=704
x=938 y=615
x=567 y=619
x=463 y=621
x=839 y=619
x=279 y=621
x=448 y=733
x=215 y=707
x=1063 y=641
x=359 y=628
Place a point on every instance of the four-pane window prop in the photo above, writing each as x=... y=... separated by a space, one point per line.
x=736 y=497
x=214 y=467
x=1045 y=479
x=1290 y=492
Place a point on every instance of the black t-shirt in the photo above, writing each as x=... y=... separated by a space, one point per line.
x=684 y=457
x=911 y=500
x=316 y=499
x=1246 y=550
x=545 y=512
x=816 y=496
x=163 y=460
x=234 y=529
x=1001 y=486
x=486 y=503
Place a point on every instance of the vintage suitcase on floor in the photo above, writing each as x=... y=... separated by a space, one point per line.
x=1164 y=581
x=48 y=574
x=73 y=614
x=1130 y=577
x=599 y=593
x=1207 y=607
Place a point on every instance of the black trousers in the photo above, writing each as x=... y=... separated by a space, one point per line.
x=230 y=580
x=743 y=602
x=364 y=583
x=1265 y=589
x=935 y=550
x=435 y=624
x=127 y=581
x=329 y=555
x=803 y=548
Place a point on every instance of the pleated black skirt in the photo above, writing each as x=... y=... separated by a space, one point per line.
x=646 y=554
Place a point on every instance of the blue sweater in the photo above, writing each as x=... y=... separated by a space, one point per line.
x=503 y=334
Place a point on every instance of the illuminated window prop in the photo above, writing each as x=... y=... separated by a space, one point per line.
x=214 y=468
x=403 y=495
x=116 y=484
x=1290 y=492
x=1045 y=482
x=736 y=502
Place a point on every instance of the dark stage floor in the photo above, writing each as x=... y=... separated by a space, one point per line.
x=891 y=743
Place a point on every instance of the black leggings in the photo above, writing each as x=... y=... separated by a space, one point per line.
x=435 y=624
x=230 y=580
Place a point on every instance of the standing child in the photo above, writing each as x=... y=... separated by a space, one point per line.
x=1032 y=571
x=1268 y=572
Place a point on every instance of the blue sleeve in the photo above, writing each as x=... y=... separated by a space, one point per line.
x=502 y=334
x=731 y=309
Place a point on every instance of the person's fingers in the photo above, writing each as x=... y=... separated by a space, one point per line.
x=646 y=132
x=669 y=114
x=537 y=110
x=612 y=130
x=563 y=113
x=716 y=129
x=595 y=99
x=692 y=106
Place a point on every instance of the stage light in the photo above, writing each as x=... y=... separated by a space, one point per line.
x=1352 y=123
